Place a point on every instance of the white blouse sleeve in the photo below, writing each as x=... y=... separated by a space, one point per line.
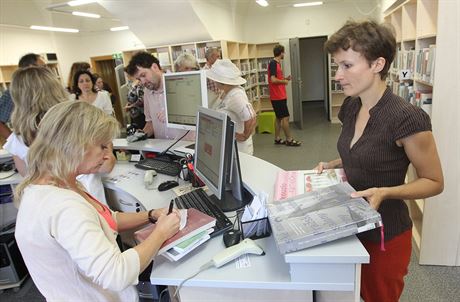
x=16 y=146
x=77 y=228
x=106 y=103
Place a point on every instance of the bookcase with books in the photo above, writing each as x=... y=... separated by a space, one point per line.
x=6 y=71
x=251 y=59
x=336 y=95
x=412 y=76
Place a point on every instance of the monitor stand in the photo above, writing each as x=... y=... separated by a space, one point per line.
x=229 y=203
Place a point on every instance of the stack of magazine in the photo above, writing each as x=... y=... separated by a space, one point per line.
x=195 y=229
x=320 y=216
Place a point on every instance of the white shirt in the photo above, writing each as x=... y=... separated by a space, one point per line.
x=103 y=102
x=235 y=103
x=92 y=182
x=70 y=250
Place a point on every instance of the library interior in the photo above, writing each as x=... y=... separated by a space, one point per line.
x=246 y=150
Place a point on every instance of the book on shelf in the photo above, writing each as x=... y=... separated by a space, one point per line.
x=293 y=183
x=163 y=57
x=196 y=222
x=320 y=216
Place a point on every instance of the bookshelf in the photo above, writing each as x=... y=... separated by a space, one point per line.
x=336 y=95
x=435 y=220
x=6 y=71
x=251 y=59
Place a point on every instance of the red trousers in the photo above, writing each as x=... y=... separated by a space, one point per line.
x=382 y=280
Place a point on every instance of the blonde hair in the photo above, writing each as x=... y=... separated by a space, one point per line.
x=34 y=90
x=66 y=132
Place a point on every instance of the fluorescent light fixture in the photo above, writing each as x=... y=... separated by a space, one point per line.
x=308 y=4
x=49 y=28
x=119 y=28
x=263 y=3
x=89 y=15
x=80 y=2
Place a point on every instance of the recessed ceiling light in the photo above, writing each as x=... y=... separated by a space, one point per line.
x=89 y=15
x=119 y=28
x=308 y=4
x=263 y=3
x=49 y=28
x=80 y=2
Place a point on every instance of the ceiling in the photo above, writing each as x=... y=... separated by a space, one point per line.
x=23 y=13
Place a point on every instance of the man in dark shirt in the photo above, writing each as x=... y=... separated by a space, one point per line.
x=277 y=86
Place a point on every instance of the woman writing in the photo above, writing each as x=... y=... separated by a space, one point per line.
x=65 y=235
x=381 y=135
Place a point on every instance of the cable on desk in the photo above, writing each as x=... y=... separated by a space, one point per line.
x=202 y=268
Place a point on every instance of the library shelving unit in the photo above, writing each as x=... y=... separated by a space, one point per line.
x=6 y=71
x=336 y=95
x=435 y=221
x=251 y=59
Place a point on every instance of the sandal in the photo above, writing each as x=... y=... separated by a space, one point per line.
x=279 y=141
x=293 y=143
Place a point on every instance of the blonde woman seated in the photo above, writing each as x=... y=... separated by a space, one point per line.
x=65 y=235
x=34 y=91
x=83 y=87
x=234 y=101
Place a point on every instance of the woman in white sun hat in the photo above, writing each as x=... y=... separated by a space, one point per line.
x=234 y=101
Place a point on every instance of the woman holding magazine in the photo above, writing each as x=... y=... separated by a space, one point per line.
x=65 y=235
x=381 y=135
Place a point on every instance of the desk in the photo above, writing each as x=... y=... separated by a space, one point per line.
x=332 y=269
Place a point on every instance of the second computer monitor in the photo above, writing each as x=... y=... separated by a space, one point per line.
x=185 y=92
x=217 y=160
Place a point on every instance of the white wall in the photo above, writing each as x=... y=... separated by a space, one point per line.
x=80 y=48
x=306 y=22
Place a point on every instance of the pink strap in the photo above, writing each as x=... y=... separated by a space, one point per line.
x=106 y=214
x=382 y=239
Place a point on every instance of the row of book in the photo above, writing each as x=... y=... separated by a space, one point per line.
x=420 y=98
x=424 y=69
x=404 y=59
x=335 y=86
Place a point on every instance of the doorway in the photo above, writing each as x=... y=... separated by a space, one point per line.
x=310 y=73
x=105 y=67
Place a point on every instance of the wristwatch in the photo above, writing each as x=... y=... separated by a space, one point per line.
x=151 y=219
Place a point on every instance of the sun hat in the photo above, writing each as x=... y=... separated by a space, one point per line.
x=225 y=72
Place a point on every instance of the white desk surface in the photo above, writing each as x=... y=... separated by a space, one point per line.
x=323 y=264
x=152 y=145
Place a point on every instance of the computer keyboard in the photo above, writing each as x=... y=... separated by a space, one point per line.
x=199 y=200
x=164 y=166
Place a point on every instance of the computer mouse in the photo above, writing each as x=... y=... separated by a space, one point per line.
x=169 y=184
x=231 y=237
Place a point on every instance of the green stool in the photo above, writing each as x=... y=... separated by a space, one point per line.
x=266 y=122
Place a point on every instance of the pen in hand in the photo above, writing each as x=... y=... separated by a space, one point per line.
x=171 y=205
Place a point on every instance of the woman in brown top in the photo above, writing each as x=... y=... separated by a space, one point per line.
x=381 y=135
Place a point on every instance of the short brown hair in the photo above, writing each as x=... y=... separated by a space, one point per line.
x=141 y=59
x=369 y=38
x=278 y=49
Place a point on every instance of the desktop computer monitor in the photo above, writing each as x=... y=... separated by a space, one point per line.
x=216 y=159
x=184 y=93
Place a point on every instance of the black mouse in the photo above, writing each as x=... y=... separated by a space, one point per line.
x=231 y=237
x=169 y=184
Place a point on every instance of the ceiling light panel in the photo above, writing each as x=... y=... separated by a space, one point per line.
x=88 y=15
x=49 y=28
x=308 y=4
x=80 y=2
x=263 y=3
x=119 y=28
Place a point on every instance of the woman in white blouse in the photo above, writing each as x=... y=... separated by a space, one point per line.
x=67 y=237
x=34 y=91
x=83 y=87
x=234 y=101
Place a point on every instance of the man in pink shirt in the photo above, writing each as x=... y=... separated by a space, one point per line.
x=146 y=68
